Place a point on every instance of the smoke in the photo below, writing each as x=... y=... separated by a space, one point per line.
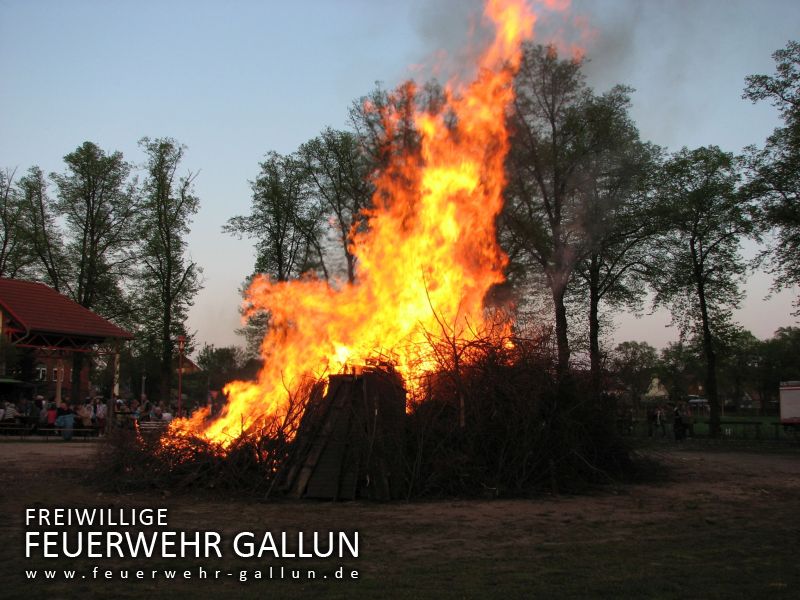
x=610 y=51
x=686 y=60
x=451 y=34
x=442 y=24
x=605 y=31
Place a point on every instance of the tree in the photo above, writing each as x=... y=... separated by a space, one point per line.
x=700 y=266
x=634 y=364
x=679 y=369
x=384 y=121
x=740 y=355
x=617 y=208
x=168 y=280
x=98 y=205
x=221 y=365
x=15 y=255
x=541 y=216
x=573 y=202
x=283 y=220
x=338 y=174
x=286 y=224
x=774 y=171
x=44 y=238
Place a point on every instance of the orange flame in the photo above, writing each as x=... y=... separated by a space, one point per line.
x=428 y=257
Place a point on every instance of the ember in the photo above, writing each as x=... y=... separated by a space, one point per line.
x=425 y=263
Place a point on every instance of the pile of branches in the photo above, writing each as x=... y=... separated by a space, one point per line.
x=132 y=460
x=250 y=463
x=497 y=420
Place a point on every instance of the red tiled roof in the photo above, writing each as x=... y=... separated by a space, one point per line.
x=39 y=308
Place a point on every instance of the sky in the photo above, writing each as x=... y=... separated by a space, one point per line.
x=233 y=80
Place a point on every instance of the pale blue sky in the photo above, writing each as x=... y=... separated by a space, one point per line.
x=233 y=80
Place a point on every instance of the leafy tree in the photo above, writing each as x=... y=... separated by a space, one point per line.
x=168 y=280
x=338 y=172
x=283 y=220
x=634 y=364
x=617 y=208
x=15 y=254
x=97 y=203
x=775 y=170
x=679 y=369
x=44 y=237
x=700 y=266
x=576 y=194
x=384 y=121
x=221 y=365
x=542 y=209
x=740 y=354
x=286 y=224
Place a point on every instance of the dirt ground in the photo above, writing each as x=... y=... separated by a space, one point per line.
x=723 y=524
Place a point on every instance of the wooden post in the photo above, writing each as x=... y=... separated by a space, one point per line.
x=181 y=345
x=59 y=378
x=111 y=414
x=116 y=371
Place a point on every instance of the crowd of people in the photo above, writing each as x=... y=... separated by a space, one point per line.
x=144 y=410
x=39 y=415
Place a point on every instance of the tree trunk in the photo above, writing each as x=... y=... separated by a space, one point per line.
x=594 y=326
x=711 y=364
x=166 y=375
x=75 y=383
x=166 y=354
x=351 y=266
x=562 y=341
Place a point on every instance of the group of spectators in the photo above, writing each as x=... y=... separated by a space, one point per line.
x=680 y=417
x=133 y=409
x=40 y=415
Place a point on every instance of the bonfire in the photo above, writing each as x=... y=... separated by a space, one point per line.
x=426 y=261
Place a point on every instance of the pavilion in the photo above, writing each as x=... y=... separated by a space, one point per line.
x=33 y=315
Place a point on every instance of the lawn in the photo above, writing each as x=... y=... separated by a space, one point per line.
x=722 y=525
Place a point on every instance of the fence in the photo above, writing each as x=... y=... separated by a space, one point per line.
x=733 y=429
x=22 y=429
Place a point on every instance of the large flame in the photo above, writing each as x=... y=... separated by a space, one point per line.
x=425 y=262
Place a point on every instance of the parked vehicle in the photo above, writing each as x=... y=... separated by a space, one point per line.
x=790 y=404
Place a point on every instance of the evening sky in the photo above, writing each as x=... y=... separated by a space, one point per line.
x=233 y=80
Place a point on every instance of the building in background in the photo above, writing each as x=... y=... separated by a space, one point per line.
x=54 y=328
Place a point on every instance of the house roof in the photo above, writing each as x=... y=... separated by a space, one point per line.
x=40 y=309
x=189 y=366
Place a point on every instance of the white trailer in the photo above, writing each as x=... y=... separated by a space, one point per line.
x=790 y=404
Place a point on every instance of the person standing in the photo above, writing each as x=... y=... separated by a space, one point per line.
x=65 y=420
x=678 y=426
x=661 y=421
x=100 y=414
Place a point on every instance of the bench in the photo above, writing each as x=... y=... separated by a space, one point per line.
x=51 y=431
x=153 y=428
x=16 y=428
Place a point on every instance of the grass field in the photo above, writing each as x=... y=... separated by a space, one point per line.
x=722 y=525
x=734 y=426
